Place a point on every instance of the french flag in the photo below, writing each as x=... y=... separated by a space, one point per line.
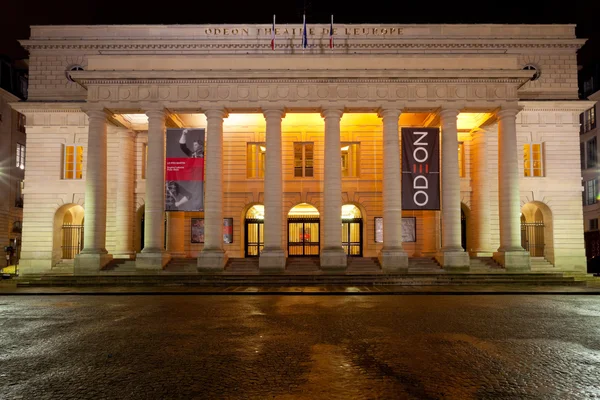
x=273 y=34
x=331 y=33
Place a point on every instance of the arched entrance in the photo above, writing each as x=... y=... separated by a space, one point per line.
x=303 y=231
x=254 y=231
x=536 y=230
x=68 y=232
x=464 y=225
x=352 y=232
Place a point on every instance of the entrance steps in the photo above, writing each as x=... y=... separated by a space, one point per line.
x=423 y=265
x=366 y=265
x=63 y=267
x=484 y=264
x=302 y=265
x=120 y=266
x=242 y=265
x=540 y=264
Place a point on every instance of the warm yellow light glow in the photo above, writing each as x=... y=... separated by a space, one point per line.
x=257 y=211
x=244 y=119
x=346 y=148
x=468 y=121
x=304 y=210
x=350 y=211
x=263 y=148
x=136 y=118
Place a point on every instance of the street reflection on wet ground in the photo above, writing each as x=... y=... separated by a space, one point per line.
x=300 y=347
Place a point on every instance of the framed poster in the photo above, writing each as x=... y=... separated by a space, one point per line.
x=197 y=230
x=378 y=229
x=227 y=230
x=409 y=229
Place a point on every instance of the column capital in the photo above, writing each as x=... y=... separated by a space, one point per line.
x=448 y=112
x=332 y=112
x=216 y=113
x=97 y=113
x=156 y=112
x=507 y=113
x=386 y=113
x=275 y=112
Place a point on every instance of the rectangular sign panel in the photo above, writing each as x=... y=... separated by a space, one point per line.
x=420 y=168
x=184 y=170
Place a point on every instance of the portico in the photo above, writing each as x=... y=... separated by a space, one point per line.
x=299 y=104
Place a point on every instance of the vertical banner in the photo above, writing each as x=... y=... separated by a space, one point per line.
x=184 y=170
x=227 y=230
x=420 y=168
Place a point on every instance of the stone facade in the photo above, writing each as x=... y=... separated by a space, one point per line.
x=495 y=89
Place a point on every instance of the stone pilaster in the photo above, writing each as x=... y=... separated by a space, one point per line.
x=153 y=255
x=94 y=256
x=510 y=254
x=272 y=257
x=125 y=185
x=480 y=210
x=176 y=233
x=392 y=257
x=451 y=256
x=333 y=257
x=213 y=257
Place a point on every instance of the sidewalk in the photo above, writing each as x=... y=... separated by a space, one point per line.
x=9 y=288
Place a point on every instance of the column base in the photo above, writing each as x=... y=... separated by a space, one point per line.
x=394 y=260
x=178 y=254
x=454 y=260
x=128 y=255
x=152 y=260
x=514 y=260
x=90 y=263
x=212 y=261
x=271 y=261
x=333 y=260
x=34 y=266
x=481 y=253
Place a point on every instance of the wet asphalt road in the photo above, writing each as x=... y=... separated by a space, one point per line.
x=300 y=347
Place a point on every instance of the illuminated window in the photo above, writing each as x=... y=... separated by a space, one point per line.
x=73 y=165
x=533 y=159
x=303 y=159
x=461 y=159
x=588 y=120
x=20 y=156
x=592 y=153
x=590 y=192
x=350 y=159
x=144 y=160
x=255 y=160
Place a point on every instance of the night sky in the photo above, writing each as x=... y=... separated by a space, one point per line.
x=17 y=15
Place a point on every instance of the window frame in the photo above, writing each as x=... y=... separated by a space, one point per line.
x=304 y=159
x=591 y=192
x=591 y=162
x=20 y=155
x=260 y=165
x=532 y=169
x=353 y=159
x=64 y=164
x=588 y=119
x=593 y=224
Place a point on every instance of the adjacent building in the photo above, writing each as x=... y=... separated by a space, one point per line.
x=13 y=88
x=305 y=145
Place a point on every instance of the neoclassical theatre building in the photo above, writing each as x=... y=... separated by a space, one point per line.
x=307 y=150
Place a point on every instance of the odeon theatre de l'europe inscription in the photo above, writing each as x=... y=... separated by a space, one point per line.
x=209 y=143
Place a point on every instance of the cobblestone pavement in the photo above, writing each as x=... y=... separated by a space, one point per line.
x=300 y=347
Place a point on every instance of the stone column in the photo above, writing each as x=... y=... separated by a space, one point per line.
x=480 y=212
x=392 y=256
x=153 y=255
x=94 y=256
x=451 y=256
x=273 y=256
x=213 y=257
x=333 y=257
x=510 y=254
x=125 y=186
x=176 y=233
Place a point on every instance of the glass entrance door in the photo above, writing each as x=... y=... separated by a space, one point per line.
x=352 y=237
x=303 y=236
x=254 y=234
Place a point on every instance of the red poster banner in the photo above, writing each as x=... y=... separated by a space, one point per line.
x=184 y=170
